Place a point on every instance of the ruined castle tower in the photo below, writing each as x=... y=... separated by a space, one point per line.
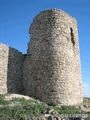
x=52 y=70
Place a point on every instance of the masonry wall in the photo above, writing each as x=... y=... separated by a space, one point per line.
x=11 y=64
x=52 y=69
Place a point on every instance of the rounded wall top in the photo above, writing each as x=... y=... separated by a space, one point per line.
x=48 y=17
x=53 y=11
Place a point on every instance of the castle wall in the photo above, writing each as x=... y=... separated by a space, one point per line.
x=11 y=64
x=52 y=69
x=3 y=68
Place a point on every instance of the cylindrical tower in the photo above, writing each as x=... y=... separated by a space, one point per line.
x=52 y=67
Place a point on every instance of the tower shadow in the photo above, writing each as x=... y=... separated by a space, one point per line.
x=15 y=72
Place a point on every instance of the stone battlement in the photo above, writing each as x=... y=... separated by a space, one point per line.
x=51 y=69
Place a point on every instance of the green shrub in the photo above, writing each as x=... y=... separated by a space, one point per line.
x=70 y=110
x=52 y=103
x=29 y=108
x=3 y=101
x=26 y=108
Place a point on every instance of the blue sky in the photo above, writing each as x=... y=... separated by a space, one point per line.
x=17 y=15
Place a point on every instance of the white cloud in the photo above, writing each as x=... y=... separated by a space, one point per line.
x=85 y=85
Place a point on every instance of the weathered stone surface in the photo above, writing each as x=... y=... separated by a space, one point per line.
x=52 y=67
x=50 y=71
x=11 y=64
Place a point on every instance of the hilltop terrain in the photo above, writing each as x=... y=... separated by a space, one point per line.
x=20 y=107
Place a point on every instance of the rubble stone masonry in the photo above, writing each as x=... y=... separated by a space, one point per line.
x=11 y=66
x=51 y=70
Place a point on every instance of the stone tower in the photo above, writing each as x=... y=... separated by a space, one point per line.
x=52 y=66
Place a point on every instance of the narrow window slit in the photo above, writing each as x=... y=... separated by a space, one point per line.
x=72 y=36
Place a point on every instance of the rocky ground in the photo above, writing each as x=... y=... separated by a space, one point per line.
x=52 y=114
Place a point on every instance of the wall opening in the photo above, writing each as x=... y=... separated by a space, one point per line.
x=72 y=36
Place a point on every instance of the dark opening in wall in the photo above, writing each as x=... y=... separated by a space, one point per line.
x=72 y=36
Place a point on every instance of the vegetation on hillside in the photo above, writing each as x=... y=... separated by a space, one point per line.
x=20 y=109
